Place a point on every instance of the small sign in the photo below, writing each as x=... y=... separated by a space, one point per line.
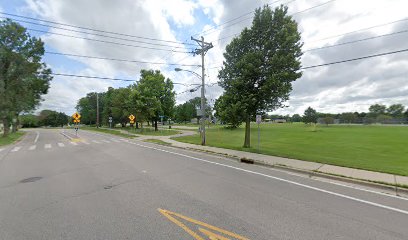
x=77 y=121
x=110 y=120
x=258 y=119
x=131 y=121
x=131 y=117
x=76 y=116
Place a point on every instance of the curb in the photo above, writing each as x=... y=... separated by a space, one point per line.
x=396 y=190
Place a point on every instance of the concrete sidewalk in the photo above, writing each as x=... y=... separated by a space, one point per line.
x=280 y=161
x=298 y=164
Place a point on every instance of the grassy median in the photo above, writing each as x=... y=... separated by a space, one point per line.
x=375 y=148
x=11 y=138
x=109 y=131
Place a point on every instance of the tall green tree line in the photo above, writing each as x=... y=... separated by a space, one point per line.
x=148 y=99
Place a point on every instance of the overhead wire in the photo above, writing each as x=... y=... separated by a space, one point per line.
x=96 y=34
x=104 y=41
x=121 y=60
x=96 y=30
x=299 y=12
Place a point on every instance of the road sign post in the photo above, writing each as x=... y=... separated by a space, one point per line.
x=258 y=121
x=131 y=119
x=110 y=122
x=76 y=116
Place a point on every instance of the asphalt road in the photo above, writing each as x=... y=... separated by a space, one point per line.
x=106 y=187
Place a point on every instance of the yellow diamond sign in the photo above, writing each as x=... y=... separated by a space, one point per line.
x=76 y=116
x=131 y=117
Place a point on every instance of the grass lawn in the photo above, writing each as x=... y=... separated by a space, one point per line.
x=150 y=131
x=11 y=138
x=110 y=131
x=375 y=148
x=157 y=141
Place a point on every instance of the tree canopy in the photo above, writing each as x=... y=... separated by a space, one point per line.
x=260 y=65
x=23 y=76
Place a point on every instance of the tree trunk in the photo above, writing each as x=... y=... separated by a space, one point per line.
x=247 y=143
x=155 y=125
x=137 y=125
x=6 y=127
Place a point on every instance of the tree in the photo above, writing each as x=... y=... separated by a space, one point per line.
x=396 y=110
x=156 y=95
x=376 y=110
x=296 y=118
x=29 y=121
x=328 y=120
x=168 y=100
x=228 y=111
x=348 y=117
x=120 y=105
x=310 y=116
x=23 y=77
x=259 y=66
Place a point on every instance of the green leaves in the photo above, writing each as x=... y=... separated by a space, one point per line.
x=23 y=77
x=259 y=67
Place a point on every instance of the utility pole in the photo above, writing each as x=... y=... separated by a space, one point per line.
x=204 y=48
x=97 y=110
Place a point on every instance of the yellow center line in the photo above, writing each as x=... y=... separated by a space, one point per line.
x=203 y=224
x=180 y=224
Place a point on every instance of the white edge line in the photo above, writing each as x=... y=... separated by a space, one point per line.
x=36 y=137
x=326 y=181
x=283 y=180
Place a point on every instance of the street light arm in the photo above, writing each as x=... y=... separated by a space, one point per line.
x=196 y=74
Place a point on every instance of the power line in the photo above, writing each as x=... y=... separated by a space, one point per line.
x=96 y=30
x=104 y=41
x=355 y=59
x=122 y=60
x=236 y=18
x=355 y=41
x=108 y=78
x=346 y=60
x=95 y=34
x=299 y=12
x=307 y=9
x=359 y=30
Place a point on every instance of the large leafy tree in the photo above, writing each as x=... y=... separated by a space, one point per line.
x=260 y=65
x=396 y=110
x=23 y=76
x=376 y=110
x=156 y=95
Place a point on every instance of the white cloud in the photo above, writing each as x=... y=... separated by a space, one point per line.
x=350 y=86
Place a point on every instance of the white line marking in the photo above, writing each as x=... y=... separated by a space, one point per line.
x=1 y=149
x=36 y=137
x=47 y=146
x=363 y=189
x=106 y=141
x=115 y=140
x=74 y=143
x=61 y=144
x=283 y=180
x=84 y=142
x=95 y=141
x=15 y=149
x=32 y=147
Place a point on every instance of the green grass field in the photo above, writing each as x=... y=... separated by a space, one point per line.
x=150 y=131
x=110 y=131
x=375 y=148
x=11 y=138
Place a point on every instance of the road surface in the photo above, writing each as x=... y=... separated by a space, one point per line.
x=54 y=186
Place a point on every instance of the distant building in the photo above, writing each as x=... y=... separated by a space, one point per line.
x=279 y=120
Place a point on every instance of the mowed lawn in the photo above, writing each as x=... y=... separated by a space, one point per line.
x=376 y=148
